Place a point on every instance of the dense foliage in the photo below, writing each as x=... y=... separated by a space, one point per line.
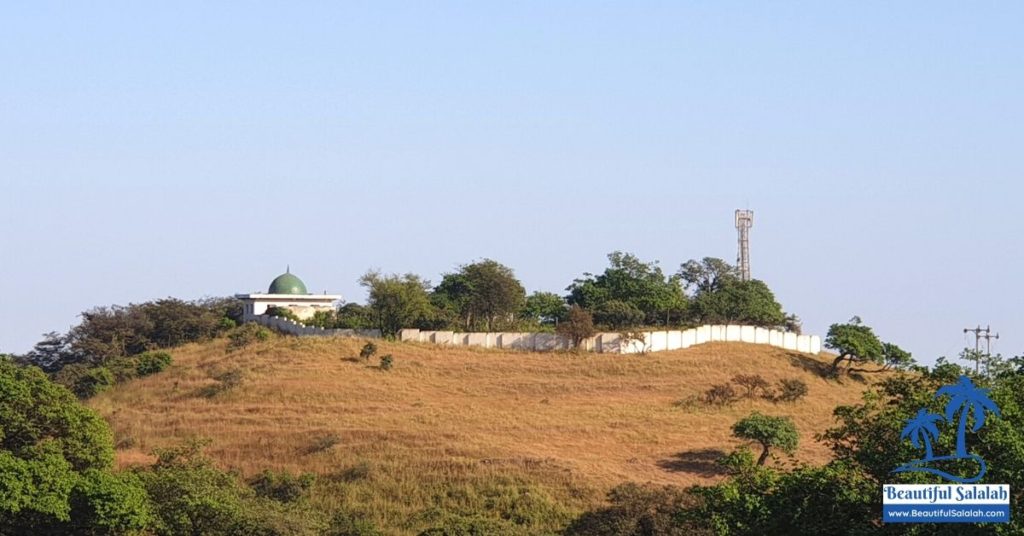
x=481 y=296
x=844 y=495
x=113 y=344
x=629 y=292
x=56 y=478
x=55 y=460
x=396 y=302
x=632 y=293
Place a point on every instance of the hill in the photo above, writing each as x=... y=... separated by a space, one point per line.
x=460 y=429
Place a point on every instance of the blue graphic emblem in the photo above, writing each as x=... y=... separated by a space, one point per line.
x=965 y=399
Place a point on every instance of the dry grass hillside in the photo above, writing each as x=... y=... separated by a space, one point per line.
x=460 y=428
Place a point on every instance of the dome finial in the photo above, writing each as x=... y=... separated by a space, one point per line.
x=288 y=269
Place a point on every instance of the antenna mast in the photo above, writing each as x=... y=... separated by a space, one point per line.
x=744 y=221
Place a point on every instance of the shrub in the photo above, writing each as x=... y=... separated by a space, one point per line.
x=386 y=362
x=226 y=381
x=323 y=442
x=247 y=334
x=282 y=312
x=368 y=350
x=93 y=382
x=359 y=471
x=123 y=368
x=720 y=394
x=579 y=325
x=347 y=524
x=638 y=510
x=283 y=486
x=791 y=390
x=152 y=362
x=752 y=383
x=473 y=526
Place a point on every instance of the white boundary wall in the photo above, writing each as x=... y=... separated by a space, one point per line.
x=294 y=328
x=613 y=343
x=607 y=343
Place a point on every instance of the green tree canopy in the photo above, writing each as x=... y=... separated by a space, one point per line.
x=854 y=342
x=739 y=302
x=770 y=432
x=640 y=286
x=55 y=457
x=397 y=302
x=708 y=274
x=545 y=307
x=482 y=295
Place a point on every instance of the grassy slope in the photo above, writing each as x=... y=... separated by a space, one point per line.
x=459 y=428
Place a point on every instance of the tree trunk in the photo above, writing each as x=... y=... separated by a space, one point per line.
x=764 y=455
x=838 y=360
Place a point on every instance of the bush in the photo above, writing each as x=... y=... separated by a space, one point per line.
x=247 y=334
x=752 y=383
x=473 y=526
x=638 y=510
x=282 y=312
x=123 y=368
x=152 y=362
x=791 y=390
x=347 y=524
x=226 y=381
x=386 y=362
x=720 y=394
x=93 y=382
x=368 y=350
x=578 y=326
x=283 y=486
x=323 y=442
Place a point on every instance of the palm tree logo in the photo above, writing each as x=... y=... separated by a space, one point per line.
x=965 y=400
x=921 y=429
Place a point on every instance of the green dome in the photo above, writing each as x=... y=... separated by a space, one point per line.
x=287 y=283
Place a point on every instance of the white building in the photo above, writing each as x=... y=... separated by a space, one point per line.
x=288 y=292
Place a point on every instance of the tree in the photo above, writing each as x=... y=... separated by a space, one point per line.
x=770 y=432
x=739 y=302
x=482 y=295
x=107 y=333
x=191 y=496
x=641 y=286
x=51 y=353
x=578 y=326
x=854 y=342
x=545 y=307
x=55 y=458
x=895 y=357
x=708 y=274
x=617 y=314
x=396 y=302
x=495 y=293
x=353 y=316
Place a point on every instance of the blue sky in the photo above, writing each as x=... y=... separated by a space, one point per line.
x=194 y=150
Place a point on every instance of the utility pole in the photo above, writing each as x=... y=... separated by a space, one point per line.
x=979 y=334
x=744 y=221
x=988 y=347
